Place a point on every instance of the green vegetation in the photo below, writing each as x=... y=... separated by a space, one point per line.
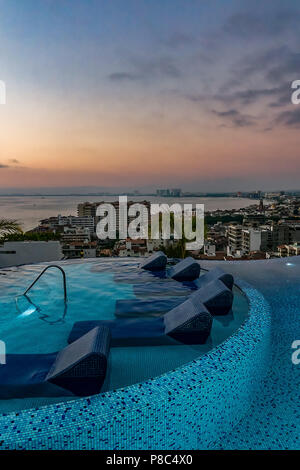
x=9 y=228
x=225 y=219
x=176 y=250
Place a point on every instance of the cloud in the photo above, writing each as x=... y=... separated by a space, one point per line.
x=236 y=118
x=282 y=100
x=261 y=76
x=178 y=39
x=122 y=76
x=289 y=118
x=287 y=68
x=145 y=69
x=247 y=25
x=11 y=160
x=249 y=96
x=275 y=65
x=196 y=97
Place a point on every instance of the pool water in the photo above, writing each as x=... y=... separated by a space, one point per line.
x=273 y=421
x=42 y=322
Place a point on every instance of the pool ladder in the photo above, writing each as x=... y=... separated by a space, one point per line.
x=37 y=308
x=41 y=274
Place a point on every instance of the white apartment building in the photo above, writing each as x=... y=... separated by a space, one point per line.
x=242 y=241
x=289 y=250
x=71 y=221
x=272 y=195
x=251 y=240
x=235 y=238
x=84 y=222
x=89 y=209
x=78 y=234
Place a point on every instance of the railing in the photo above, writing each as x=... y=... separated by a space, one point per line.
x=46 y=269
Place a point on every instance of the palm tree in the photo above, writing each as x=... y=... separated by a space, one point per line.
x=9 y=227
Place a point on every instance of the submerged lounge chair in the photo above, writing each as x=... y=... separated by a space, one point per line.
x=214 y=275
x=155 y=262
x=79 y=369
x=216 y=297
x=186 y=270
x=189 y=323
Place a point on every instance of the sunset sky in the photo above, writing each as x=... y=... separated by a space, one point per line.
x=149 y=93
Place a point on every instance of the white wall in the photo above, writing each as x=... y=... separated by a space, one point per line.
x=89 y=253
x=29 y=252
x=209 y=249
x=255 y=240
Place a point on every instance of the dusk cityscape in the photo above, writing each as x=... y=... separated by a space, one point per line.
x=149 y=228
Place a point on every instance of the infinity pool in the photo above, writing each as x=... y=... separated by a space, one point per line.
x=242 y=392
x=41 y=323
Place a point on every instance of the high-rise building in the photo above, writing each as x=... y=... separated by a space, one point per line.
x=57 y=223
x=254 y=220
x=261 y=206
x=235 y=237
x=163 y=192
x=174 y=192
x=90 y=209
x=253 y=240
x=244 y=240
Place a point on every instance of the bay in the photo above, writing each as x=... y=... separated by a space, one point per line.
x=29 y=210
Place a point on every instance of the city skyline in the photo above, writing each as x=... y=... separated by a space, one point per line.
x=153 y=95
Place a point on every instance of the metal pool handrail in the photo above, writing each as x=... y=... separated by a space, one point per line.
x=44 y=270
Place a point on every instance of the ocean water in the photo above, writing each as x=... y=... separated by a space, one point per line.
x=29 y=210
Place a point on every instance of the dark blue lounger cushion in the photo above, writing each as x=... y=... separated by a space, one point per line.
x=189 y=323
x=216 y=274
x=24 y=375
x=213 y=294
x=81 y=366
x=186 y=270
x=127 y=331
x=78 y=370
x=155 y=262
x=216 y=297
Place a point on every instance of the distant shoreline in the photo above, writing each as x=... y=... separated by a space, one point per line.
x=29 y=210
x=206 y=195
